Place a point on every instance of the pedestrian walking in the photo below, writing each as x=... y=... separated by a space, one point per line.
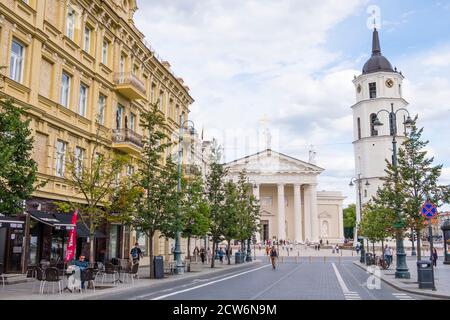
x=221 y=254
x=358 y=248
x=273 y=257
x=434 y=257
x=267 y=250
x=136 y=253
x=202 y=255
x=196 y=253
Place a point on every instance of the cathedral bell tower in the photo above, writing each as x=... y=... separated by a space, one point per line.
x=377 y=88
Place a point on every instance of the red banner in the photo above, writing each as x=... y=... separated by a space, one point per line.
x=71 y=245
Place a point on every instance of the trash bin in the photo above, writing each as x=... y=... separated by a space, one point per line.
x=425 y=274
x=369 y=260
x=237 y=258
x=158 y=264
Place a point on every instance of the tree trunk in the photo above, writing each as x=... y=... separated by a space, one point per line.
x=91 y=243
x=151 y=253
x=213 y=252
x=228 y=252
x=189 y=247
x=419 y=249
x=382 y=248
x=373 y=247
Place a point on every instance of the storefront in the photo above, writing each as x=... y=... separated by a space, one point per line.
x=49 y=234
x=11 y=244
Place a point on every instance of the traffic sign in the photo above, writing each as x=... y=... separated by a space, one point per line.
x=429 y=210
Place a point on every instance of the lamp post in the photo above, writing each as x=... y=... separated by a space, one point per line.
x=177 y=252
x=402 y=271
x=358 y=216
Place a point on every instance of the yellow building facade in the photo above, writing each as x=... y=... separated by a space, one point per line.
x=78 y=67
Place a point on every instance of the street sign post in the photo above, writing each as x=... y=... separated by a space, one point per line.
x=429 y=211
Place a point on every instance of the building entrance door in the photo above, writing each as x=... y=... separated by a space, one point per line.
x=265 y=229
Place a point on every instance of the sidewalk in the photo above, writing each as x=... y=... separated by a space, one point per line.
x=24 y=291
x=441 y=278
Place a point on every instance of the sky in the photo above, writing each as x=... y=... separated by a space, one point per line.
x=289 y=65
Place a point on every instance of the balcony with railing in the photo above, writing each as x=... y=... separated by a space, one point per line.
x=130 y=86
x=127 y=141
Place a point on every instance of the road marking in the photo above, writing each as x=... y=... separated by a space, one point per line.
x=403 y=296
x=276 y=282
x=209 y=283
x=340 y=280
x=349 y=295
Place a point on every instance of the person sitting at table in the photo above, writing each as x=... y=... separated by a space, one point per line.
x=83 y=265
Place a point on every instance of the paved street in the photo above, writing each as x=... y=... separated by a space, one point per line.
x=304 y=280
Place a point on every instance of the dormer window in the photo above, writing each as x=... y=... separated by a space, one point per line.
x=373 y=90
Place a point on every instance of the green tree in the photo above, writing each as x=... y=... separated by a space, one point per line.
x=231 y=216
x=419 y=181
x=350 y=220
x=248 y=210
x=195 y=215
x=94 y=178
x=377 y=223
x=155 y=208
x=215 y=184
x=18 y=171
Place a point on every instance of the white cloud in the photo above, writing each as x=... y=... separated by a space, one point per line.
x=244 y=59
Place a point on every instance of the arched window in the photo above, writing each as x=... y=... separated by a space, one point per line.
x=373 y=132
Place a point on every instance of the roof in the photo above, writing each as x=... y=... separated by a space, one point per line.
x=282 y=155
x=377 y=61
x=53 y=219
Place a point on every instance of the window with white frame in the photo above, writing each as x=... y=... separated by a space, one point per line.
x=60 y=157
x=16 y=61
x=65 y=89
x=133 y=122
x=105 y=48
x=119 y=116
x=101 y=109
x=130 y=170
x=70 y=24
x=79 y=160
x=82 y=102
x=87 y=39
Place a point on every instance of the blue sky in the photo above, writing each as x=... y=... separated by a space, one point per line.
x=292 y=62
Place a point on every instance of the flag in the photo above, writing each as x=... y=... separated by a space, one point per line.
x=71 y=245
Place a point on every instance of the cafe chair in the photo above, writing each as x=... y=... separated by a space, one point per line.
x=133 y=271
x=52 y=275
x=111 y=270
x=88 y=276
x=40 y=277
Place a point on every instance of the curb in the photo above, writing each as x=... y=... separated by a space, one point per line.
x=427 y=294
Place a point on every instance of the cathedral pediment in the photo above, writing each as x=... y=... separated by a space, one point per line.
x=266 y=213
x=271 y=162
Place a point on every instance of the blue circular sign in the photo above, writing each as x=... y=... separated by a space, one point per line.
x=429 y=210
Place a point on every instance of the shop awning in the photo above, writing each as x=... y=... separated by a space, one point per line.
x=11 y=222
x=83 y=232
x=58 y=221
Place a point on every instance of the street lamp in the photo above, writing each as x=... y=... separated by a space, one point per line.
x=177 y=252
x=402 y=271
x=358 y=216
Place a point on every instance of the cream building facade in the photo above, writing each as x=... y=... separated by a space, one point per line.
x=80 y=66
x=291 y=206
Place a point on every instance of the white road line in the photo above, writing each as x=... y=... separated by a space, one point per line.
x=209 y=283
x=340 y=280
x=349 y=295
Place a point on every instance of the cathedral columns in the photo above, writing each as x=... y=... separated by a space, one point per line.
x=281 y=213
x=257 y=195
x=297 y=213
x=313 y=213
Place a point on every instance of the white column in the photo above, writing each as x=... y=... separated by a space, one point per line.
x=257 y=195
x=307 y=215
x=341 y=222
x=281 y=213
x=297 y=213
x=313 y=212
